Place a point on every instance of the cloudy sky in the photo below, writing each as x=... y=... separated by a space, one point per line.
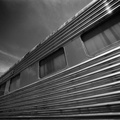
x=25 y=23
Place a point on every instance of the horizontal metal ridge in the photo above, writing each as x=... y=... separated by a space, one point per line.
x=85 y=106
x=48 y=104
x=56 y=97
x=109 y=115
x=44 y=111
x=39 y=100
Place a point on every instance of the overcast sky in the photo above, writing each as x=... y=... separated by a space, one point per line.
x=24 y=23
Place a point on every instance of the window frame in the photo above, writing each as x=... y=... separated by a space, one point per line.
x=13 y=79
x=93 y=28
x=3 y=84
x=54 y=72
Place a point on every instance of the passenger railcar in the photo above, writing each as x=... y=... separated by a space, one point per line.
x=73 y=73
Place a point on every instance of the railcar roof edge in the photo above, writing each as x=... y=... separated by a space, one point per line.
x=48 y=37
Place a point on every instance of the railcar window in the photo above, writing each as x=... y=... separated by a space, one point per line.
x=52 y=63
x=2 y=89
x=29 y=75
x=103 y=36
x=15 y=83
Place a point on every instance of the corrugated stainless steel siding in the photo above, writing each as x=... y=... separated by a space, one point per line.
x=88 y=88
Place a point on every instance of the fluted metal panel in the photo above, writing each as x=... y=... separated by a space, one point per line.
x=80 y=91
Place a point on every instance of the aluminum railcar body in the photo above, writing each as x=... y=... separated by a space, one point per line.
x=74 y=73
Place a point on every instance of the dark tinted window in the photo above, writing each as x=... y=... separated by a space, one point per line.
x=103 y=36
x=2 y=89
x=54 y=62
x=15 y=83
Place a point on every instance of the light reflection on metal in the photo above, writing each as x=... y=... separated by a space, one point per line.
x=108 y=8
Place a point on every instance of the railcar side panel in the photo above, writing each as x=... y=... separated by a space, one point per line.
x=88 y=86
